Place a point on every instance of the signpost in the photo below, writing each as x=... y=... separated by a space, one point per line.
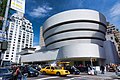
x=18 y=5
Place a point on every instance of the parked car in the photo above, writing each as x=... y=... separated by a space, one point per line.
x=54 y=71
x=43 y=66
x=36 y=67
x=118 y=71
x=5 y=74
x=72 y=70
x=31 y=71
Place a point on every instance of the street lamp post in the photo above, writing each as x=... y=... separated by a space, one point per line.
x=4 y=33
x=6 y=15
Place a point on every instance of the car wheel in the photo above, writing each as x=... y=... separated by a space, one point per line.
x=36 y=74
x=58 y=73
x=43 y=72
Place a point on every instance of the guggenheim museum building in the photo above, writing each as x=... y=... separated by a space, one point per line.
x=77 y=36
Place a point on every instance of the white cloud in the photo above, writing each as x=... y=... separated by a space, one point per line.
x=40 y=11
x=114 y=14
x=115 y=10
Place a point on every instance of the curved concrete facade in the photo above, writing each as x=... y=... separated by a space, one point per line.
x=74 y=26
x=81 y=51
x=77 y=36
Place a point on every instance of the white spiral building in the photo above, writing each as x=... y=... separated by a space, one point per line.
x=75 y=35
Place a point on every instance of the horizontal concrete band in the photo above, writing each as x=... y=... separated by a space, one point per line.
x=73 y=16
x=72 y=31
x=70 y=51
x=81 y=50
x=74 y=34
x=74 y=21
x=75 y=41
x=75 y=26
x=74 y=38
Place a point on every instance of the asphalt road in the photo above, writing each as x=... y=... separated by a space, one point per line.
x=106 y=76
x=52 y=77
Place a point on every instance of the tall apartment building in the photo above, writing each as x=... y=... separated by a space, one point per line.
x=42 y=43
x=113 y=34
x=118 y=42
x=20 y=35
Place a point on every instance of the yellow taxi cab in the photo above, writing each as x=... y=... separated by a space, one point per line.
x=54 y=70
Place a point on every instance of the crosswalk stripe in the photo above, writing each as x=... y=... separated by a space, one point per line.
x=47 y=78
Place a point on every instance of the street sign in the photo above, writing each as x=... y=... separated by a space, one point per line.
x=18 y=5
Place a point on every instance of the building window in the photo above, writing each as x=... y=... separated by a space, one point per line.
x=26 y=44
x=7 y=55
x=48 y=68
x=111 y=38
x=18 y=40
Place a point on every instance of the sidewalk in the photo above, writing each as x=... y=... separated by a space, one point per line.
x=99 y=76
x=107 y=74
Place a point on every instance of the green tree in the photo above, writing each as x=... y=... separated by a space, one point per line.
x=3 y=4
x=3 y=7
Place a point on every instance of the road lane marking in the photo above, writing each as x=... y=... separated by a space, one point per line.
x=47 y=78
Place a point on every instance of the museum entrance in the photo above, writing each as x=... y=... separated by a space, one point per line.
x=87 y=61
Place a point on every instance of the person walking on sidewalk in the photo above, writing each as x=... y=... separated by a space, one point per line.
x=16 y=74
x=102 y=68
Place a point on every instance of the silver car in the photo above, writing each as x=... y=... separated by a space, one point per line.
x=118 y=71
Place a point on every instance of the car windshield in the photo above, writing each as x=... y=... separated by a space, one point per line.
x=75 y=68
x=4 y=71
x=57 y=67
x=32 y=69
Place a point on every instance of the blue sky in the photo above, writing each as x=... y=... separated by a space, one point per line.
x=37 y=11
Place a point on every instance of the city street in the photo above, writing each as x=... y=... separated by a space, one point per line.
x=59 y=39
x=106 y=76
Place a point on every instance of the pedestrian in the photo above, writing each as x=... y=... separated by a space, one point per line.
x=87 y=68
x=24 y=72
x=16 y=74
x=19 y=73
x=102 y=68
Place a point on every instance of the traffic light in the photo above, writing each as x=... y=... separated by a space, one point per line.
x=4 y=45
